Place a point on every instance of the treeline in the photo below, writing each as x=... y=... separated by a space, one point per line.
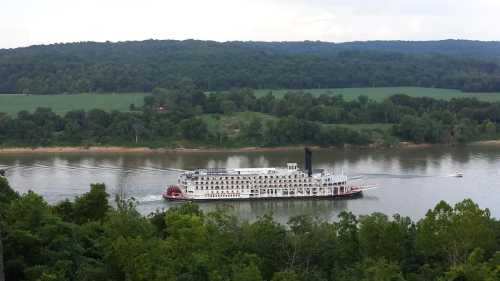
x=141 y=66
x=306 y=118
x=189 y=117
x=471 y=48
x=88 y=240
x=98 y=127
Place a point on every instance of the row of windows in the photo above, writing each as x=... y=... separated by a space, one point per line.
x=222 y=195
x=333 y=184
x=247 y=186
x=285 y=192
x=254 y=177
x=221 y=188
x=237 y=182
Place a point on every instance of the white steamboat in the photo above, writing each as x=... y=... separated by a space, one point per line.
x=261 y=183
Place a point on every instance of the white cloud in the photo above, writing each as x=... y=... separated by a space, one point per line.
x=27 y=22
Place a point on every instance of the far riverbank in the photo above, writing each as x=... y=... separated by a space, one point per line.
x=124 y=149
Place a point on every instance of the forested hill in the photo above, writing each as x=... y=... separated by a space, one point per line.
x=143 y=65
x=485 y=49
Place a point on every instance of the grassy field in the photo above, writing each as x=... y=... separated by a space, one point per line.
x=11 y=104
x=380 y=93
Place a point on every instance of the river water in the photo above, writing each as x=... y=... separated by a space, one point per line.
x=410 y=181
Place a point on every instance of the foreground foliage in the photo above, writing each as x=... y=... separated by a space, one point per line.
x=88 y=240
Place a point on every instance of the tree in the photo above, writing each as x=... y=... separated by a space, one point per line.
x=381 y=270
x=2 y=274
x=194 y=129
x=228 y=107
x=248 y=273
x=383 y=239
x=253 y=130
x=475 y=269
x=464 y=131
x=348 y=241
x=266 y=239
x=449 y=234
x=285 y=276
x=92 y=206
x=7 y=195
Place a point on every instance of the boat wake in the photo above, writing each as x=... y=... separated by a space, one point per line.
x=395 y=176
x=149 y=198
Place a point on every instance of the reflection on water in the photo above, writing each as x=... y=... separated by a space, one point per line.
x=410 y=180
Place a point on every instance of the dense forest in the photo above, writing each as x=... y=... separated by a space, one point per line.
x=187 y=117
x=140 y=66
x=469 y=48
x=87 y=239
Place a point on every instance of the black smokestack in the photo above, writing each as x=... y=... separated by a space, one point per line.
x=308 y=161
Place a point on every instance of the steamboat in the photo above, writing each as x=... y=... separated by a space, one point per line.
x=262 y=183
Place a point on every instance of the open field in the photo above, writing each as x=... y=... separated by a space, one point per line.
x=11 y=104
x=380 y=93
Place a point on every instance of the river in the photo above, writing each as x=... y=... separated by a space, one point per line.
x=410 y=180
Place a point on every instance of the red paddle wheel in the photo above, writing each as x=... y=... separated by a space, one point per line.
x=173 y=192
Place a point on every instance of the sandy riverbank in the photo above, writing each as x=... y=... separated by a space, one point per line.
x=488 y=142
x=121 y=149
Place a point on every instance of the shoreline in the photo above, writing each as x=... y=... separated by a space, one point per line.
x=147 y=150
x=144 y=150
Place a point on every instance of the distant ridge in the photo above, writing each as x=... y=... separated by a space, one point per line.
x=446 y=46
x=138 y=66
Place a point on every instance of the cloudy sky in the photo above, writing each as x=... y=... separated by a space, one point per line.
x=28 y=22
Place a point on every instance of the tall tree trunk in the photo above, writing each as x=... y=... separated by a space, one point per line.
x=2 y=274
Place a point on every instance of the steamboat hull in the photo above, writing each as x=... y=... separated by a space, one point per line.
x=351 y=195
